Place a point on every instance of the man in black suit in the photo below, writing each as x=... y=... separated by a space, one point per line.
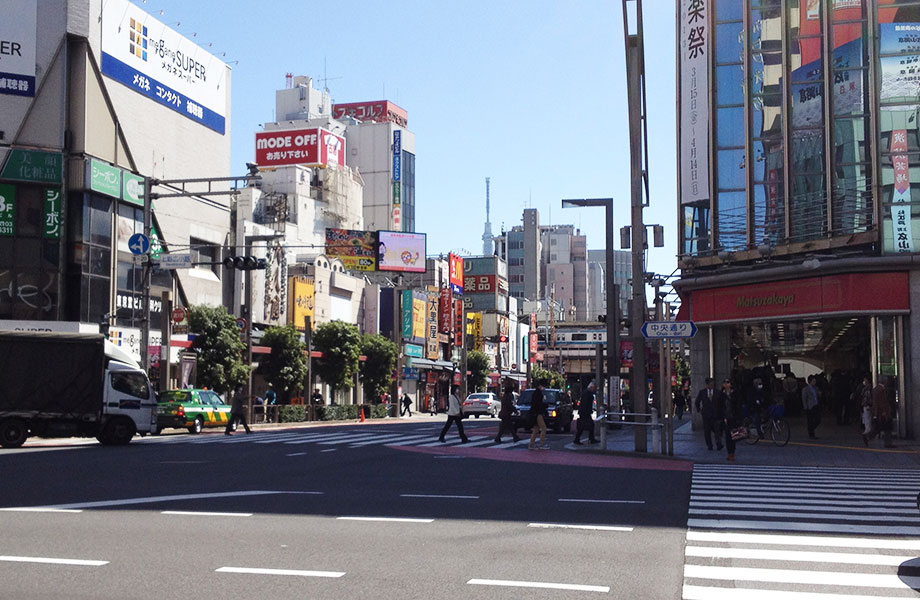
x=585 y=415
x=705 y=405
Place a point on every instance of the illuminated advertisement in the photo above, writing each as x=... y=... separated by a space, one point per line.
x=400 y=251
x=456 y=274
x=150 y=58
x=355 y=248
x=18 y=36
x=301 y=299
x=313 y=147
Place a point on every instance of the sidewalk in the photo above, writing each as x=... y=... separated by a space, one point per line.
x=836 y=446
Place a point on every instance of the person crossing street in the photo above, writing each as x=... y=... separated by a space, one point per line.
x=586 y=415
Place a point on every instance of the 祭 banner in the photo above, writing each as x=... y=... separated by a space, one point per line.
x=900 y=200
x=694 y=100
x=355 y=248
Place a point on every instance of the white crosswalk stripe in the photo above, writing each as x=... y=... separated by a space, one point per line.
x=802 y=533
x=349 y=439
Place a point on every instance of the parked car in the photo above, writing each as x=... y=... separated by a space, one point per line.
x=559 y=410
x=193 y=409
x=482 y=403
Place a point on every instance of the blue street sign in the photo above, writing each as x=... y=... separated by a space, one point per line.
x=139 y=244
x=669 y=329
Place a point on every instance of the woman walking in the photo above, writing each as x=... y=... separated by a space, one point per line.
x=536 y=418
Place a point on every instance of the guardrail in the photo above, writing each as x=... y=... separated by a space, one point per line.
x=649 y=420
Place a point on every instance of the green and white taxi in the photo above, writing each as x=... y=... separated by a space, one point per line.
x=193 y=409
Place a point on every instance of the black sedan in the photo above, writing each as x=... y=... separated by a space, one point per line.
x=559 y=410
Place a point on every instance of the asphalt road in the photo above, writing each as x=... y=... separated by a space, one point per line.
x=283 y=514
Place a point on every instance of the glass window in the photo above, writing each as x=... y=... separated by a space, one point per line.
x=731 y=170
x=728 y=42
x=730 y=130
x=133 y=384
x=100 y=220
x=730 y=87
x=732 y=220
x=30 y=211
x=729 y=10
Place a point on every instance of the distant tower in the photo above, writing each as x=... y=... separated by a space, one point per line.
x=487 y=233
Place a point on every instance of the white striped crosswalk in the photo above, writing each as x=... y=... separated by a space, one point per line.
x=802 y=533
x=351 y=439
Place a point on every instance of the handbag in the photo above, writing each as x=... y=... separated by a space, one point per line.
x=739 y=433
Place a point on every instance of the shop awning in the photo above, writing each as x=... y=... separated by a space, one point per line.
x=437 y=365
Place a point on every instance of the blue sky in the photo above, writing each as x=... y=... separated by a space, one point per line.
x=529 y=93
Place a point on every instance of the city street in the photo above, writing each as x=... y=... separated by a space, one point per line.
x=333 y=512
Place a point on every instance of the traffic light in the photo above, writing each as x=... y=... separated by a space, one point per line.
x=503 y=338
x=245 y=263
x=602 y=318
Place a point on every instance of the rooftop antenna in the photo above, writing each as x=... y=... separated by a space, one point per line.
x=326 y=79
x=487 y=232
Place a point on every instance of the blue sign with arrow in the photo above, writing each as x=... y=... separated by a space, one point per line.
x=139 y=244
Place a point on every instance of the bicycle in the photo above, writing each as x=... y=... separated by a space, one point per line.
x=774 y=425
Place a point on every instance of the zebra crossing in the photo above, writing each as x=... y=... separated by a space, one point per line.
x=350 y=439
x=802 y=533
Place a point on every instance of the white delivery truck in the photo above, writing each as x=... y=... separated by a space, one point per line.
x=70 y=384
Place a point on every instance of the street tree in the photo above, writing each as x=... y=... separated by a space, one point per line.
x=220 y=350
x=479 y=365
x=549 y=379
x=286 y=367
x=377 y=369
x=340 y=345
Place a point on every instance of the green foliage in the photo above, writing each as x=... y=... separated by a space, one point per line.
x=293 y=414
x=220 y=362
x=340 y=344
x=479 y=365
x=377 y=371
x=286 y=367
x=378 y=411
x=549 y=379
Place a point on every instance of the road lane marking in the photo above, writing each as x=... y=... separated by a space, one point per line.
x=797 y=555
x=801 y=526
x=55 y=561
x=39 y=509
x=193 y=513
x=386 y=519
x=591 y=527
x=154 y=499
x=299 y=573
x=602 y=501
x=539 y=584
x=831 y=513
x=439 y=496
x=328 y=450
x=696 y=592
x=835 y=578
x=802 y=540
x=297 y=454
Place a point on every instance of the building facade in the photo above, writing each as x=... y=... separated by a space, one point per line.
x=797 y=132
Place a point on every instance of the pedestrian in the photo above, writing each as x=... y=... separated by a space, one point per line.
x=454 y=415
x=757 y=404
x=586 y=414
x=811 y=406
x=238 y=411
x=727 y=411
x=316 y=398
x=706 y=406
x=791 y=397
x=680 y=400
x=505 y=414
x=406 y=402
x=882 y=413
x=536 y=419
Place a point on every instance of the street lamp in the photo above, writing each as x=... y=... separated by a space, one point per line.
x=613 y=318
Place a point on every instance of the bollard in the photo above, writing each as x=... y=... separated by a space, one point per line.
x=656 y=433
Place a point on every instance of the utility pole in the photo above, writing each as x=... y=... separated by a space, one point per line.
x=635 y=86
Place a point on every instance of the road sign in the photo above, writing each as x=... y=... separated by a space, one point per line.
x=669 y=329
x=175 y=261
x=241 y=323
x=139 y=244
x=179 y=314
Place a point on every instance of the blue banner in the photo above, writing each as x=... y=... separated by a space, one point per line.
x=162 y=94
x=16 y=84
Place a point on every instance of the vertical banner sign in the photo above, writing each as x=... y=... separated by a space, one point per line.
x=694 y=100
x=7 y=209
x=419 y=313
x=458 y=322
x=456 y=273
x=431 y=326
x=900 y=201
x=52 y=213
x=407 y=315
x=397 y=184
x=445 y=311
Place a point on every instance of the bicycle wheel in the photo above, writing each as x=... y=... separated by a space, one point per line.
x=779 y=431
x=752 y=436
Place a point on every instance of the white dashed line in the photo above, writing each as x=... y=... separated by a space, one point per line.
x=386 y=519
x=592 y=527
x=55 y=561
x=256 y=571
x=192 y=513
x=539 y=584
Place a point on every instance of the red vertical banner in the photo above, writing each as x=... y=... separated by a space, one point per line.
x=445 y=311
x=458 y=322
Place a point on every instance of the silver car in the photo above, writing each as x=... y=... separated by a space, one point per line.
x=483 y=403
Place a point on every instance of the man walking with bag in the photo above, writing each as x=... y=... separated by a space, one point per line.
x=810 y=404
x=705 y=405
x=237 y=411
x=454 y=415
x=585 y=415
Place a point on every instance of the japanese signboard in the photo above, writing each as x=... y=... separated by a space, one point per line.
x=132 y=188
x=18 y=39
x=406 y=314
x=485 y=284
x=419 y=313
x=414 y=350
x=355 y=248
x=33 y=165
x=445 y=311
x=668 y=329
x=314 y=147
x=380 y=111
x=694 y=100
x=145 y=55
x=52 y=227
x=455 y=264
x=7 y=209
x=474 y=329
x=301 y=299
x=431 y=326
x=900 y=200
x=458 y=322
x=401 y=252
x=103 y=178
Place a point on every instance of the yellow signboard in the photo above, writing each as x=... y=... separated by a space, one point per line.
x=301 y=290
x=419 y=311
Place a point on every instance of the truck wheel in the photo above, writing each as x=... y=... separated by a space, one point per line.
x=13 y=433
x=118 y=432
x=197 y=426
